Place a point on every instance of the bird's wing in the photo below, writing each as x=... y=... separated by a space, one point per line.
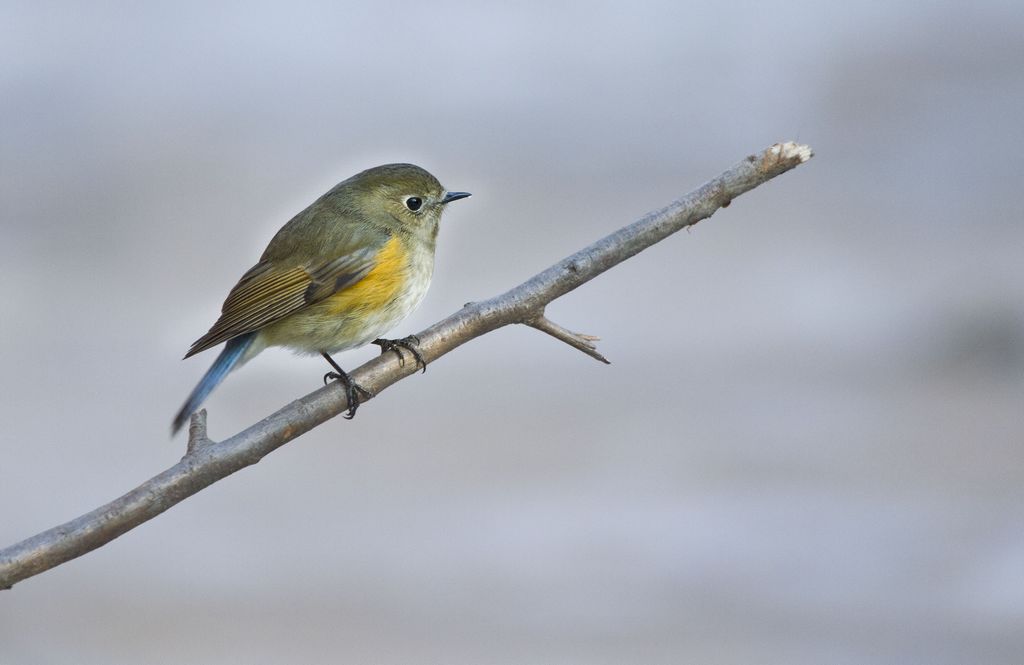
x=270 y=291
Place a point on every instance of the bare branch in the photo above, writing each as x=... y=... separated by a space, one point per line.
x=207 y=461
x=584 y=343
x=197 y=432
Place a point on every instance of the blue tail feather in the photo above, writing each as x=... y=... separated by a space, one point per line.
x=225 y=362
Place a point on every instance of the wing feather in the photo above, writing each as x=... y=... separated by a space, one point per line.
x=268 y=292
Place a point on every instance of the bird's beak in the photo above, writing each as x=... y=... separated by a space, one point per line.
x=454 y=196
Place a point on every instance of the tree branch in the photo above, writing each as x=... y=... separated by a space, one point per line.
x=584 y=343
x=206 y=461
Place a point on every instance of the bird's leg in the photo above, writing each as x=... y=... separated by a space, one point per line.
x=396 y=345
x=352 y=389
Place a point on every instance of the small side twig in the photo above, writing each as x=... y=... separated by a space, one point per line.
x=581 y=341
x=197 y=438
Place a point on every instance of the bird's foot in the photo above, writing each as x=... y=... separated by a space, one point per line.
x=396 y=345
x=352 y=389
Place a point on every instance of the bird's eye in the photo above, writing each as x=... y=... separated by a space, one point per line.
x=413 y=203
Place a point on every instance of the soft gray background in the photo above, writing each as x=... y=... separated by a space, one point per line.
x=809 y=448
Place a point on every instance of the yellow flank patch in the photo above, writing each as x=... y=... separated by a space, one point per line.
x=380 y=286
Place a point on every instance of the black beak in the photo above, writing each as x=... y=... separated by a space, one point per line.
x=454 y=196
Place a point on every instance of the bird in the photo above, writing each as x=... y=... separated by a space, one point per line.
x=337 y=276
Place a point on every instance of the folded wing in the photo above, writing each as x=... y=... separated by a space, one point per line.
x=270 y=291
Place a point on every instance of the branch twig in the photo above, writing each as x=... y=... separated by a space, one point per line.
x=584 y=343
x=206 y=461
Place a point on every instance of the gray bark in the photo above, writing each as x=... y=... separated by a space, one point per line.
x=208 y=461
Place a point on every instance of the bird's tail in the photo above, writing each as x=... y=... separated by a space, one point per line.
x=225 y=362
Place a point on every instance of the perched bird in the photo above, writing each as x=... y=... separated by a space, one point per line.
x=337 y=276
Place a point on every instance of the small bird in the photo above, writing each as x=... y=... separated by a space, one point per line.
x=337 y=276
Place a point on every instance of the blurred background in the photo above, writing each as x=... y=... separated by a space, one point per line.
x=809 y=447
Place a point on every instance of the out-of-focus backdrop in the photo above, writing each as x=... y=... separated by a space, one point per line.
x=809 y=447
